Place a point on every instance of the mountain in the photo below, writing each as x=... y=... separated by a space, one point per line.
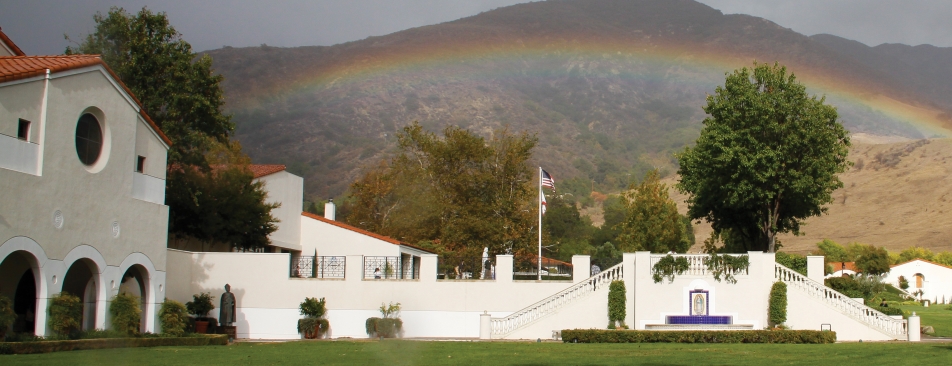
x=612 y=88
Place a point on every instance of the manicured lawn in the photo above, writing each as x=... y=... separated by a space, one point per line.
x=936 y=315
x=503 y=353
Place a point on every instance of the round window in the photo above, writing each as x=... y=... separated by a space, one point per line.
x=88 y=139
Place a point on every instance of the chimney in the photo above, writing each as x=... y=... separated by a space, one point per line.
x=329 y=209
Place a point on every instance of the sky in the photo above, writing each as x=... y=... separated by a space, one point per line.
x=38 y=26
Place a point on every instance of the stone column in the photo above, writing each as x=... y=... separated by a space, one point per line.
x=504 y=268
x=815 y=268
x=581 y=268
x=485 y=325
x=428 y=267
x=354 y=270
x=913 y=328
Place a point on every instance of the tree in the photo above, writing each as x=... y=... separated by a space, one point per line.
x=915 y=253
x=568 y=231
x=767 y=158
x=177 y=88
x=873 y=261
x=462 y=190
x=223 y=204
x=652 y=222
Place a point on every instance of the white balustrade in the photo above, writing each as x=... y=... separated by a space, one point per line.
x=506 y=325
x=696 y=266
x=849 y=307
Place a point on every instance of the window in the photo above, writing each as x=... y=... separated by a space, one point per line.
x=88 y=139
x=23 y=131
x=140 y=164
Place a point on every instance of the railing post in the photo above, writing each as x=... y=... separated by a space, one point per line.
x=913 y=328
x=428 y=267
x=815 y=268
x=354 y=267
x=504 y=268
x=581 y=268
x=485 y=326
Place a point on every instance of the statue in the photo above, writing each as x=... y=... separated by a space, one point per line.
x=227 y=310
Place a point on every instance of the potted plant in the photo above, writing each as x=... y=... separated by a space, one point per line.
x=314 y=325
x=387 y=327
x=200 y=305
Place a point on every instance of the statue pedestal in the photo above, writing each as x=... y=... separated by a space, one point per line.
x=230 y=330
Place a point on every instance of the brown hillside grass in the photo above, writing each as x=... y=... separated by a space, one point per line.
x=897 y=195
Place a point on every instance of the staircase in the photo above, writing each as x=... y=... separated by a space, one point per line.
x=876 y=320
x=504 y=326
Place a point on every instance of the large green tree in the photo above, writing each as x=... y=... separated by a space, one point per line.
x=209 y=188
x=767 y=158
x=176 y=87
x=459 y=189
x=652 y=222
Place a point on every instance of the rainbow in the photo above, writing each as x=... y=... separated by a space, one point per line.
x=416 y=60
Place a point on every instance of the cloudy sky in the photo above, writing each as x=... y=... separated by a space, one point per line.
x=37 y=26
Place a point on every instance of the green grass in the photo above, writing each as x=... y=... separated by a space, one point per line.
x=938 y=316
x=397 y=352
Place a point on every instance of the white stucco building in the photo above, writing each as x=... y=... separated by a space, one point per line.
x=82 y=176
x=933 y=279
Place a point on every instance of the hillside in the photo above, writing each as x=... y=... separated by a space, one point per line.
x=612 y=88
x=897 y=195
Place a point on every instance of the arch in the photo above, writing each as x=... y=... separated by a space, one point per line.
x=919 y=279
x=85 y=251
x=23 y=280
x=136 y=272
x=82 y=279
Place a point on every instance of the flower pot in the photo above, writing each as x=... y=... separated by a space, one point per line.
x=201 y=326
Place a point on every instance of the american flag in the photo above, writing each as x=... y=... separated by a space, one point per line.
x=547 y=180
x=543 y=202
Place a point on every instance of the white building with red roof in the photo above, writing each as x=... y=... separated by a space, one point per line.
x=933 y=279
x=82 y=171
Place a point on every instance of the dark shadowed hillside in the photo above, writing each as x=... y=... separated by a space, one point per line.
x=612 y=88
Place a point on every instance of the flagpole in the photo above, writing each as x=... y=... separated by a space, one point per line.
x=539 y=272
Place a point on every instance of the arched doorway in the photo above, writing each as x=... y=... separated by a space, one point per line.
x=81 y=280
x=18 y=282
x=135 y=282
x=919 y=279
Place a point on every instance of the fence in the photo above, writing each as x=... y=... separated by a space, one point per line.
x=551 y=269
x=389 y=268
x=318 y=267
x=467 y=269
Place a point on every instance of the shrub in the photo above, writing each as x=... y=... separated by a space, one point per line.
x=701 y=336
x=903 y=283
x=66 y=314
x=389 y=326
x=71 y=345
x=888 y=310
x=312 y=307
x=777 y=306
x=313 y=325
x=173 y=317
x=7 y=315
x=616 y=304
x=668 y=267
x=200 y=305
x=126 y=315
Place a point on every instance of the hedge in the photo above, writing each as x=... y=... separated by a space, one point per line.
x=81 y=344
x=699 y=336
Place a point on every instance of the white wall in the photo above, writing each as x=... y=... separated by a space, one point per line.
x=268 y=300
x=329 y=240
x=805 y=312
x=288 y=190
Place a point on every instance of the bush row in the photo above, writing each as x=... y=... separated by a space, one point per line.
x=700 y=336
x=81 y=344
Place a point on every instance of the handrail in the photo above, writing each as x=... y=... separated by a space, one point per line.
x=884 y=323
x=531 y=313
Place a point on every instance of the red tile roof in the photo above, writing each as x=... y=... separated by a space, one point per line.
x=360 y=231
x=850 y=266
x=9 y=42
x=920 y=259
x=22 y=67
x=260 y=170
